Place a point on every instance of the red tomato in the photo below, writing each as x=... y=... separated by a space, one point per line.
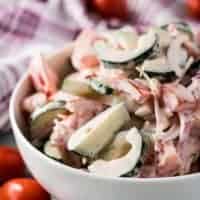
x=111 y=8
x=193 y=7
x=23 y=189
x=11 y=164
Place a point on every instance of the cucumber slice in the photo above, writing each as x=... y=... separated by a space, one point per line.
x=160 y=69
x=123 y=165
x=146 y=44
x=177 y=57
x=118 y=148
x=182 y=27
x=52 y=151
x=78 y=88
x=100 y=87
x=90 y=139
x=164 y=36
x=127 y=40
x=157 y=66
x=42 y=119
x=125 y=37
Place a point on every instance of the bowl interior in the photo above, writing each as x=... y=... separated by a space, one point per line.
x=19 y=121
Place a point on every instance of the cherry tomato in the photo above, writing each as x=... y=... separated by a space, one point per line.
x=193 y=7
x=111 y=8
x=23 y=189
x=11 y=164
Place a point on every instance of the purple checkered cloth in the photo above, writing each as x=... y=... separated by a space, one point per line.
x=29 y=26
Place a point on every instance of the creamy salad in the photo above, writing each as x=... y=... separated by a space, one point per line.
x=129 y=107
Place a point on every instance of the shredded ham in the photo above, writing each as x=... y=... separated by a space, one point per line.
x=185 y=126
x=43 y=77
x=65 y=128
x=84 y=56
x=139 y=95
x=82 y=111
x=169 y=163
x=178 y=98
x=34 y=101
x=144 y=110
x=60 y=132
x=181 y=92
x=170 y=100
x=188 y=150
x=82 y=105
x=162 y=120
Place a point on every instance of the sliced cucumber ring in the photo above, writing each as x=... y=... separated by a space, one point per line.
x=157 y=66
x=118 y=148
x=146 y=44
x=177 y=57
x=42 y=119
x=164 y=36
x=125 y=164
x=90 y=139
x=77 y=87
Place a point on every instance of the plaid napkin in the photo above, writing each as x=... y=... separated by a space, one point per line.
x=29 y=26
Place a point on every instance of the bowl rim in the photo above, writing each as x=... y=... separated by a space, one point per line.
x=79 y=172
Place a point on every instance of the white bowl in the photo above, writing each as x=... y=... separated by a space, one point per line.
x=66 y=183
